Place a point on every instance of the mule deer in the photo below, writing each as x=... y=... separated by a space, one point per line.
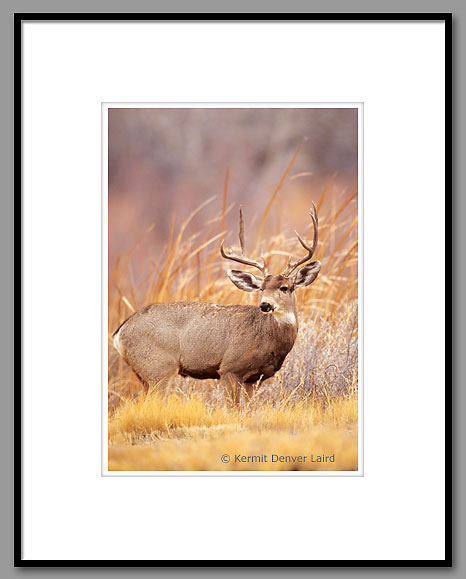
x=239 y=344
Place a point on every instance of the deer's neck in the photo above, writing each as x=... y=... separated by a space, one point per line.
x=285 y=328
x=286 y=318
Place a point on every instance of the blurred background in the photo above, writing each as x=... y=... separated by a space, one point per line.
x=163 y=163
x=176 y=180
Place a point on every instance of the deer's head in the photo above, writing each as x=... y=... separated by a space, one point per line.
x=276 y=292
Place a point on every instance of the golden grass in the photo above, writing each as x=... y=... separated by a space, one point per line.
x=309 y=407
x=185 y=433
x=205 y=454
x=155 y=417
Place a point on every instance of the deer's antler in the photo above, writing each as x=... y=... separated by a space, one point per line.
x=242 y=258
x=292 y=265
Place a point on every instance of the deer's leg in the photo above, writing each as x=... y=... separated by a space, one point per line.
x=249 y=389
x=160 y=383
x=156 y=370
x=231 y=387
x=235 y=391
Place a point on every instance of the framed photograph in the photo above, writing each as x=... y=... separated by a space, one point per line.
x=230 y=312
x=203 y=378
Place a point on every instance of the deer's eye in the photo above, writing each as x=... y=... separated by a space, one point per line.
x=284 y=288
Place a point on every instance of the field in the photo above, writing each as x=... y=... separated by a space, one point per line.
x=306 y=416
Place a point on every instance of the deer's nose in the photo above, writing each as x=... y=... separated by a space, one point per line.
x=266 y=307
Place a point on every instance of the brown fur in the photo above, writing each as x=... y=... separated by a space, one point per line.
x=274 y=282
x=203 y=341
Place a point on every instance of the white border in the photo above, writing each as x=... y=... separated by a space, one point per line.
x=104 y=441
x=397 y=510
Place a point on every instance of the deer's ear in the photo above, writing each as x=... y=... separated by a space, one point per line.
x=307 y=274
x=244 y=281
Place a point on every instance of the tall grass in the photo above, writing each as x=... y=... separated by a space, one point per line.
x=318 y=383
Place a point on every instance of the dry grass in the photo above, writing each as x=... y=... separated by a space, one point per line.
x=309 y=407
x=185 y=433
x=153 y=417
x=259 y=449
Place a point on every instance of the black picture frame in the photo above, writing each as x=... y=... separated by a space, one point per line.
x=19 y=18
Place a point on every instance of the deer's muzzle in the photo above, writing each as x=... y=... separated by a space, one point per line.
x=266 y=307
